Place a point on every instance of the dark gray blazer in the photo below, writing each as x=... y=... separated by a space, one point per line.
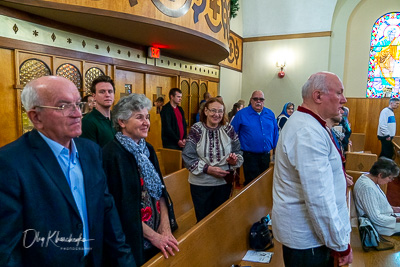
x=37 y=205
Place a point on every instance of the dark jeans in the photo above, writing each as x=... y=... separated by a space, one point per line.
x=387 y=148
x=208 y=198
x=254 y=164
x=312 y=257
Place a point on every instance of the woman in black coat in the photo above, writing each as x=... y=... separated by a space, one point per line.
x=135 y=181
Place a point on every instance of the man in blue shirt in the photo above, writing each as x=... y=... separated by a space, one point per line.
x=56 y=209
x=258 y=135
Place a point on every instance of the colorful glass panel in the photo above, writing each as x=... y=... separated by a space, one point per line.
x=384 y=60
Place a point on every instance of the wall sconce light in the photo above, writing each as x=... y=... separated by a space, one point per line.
x=281 y=64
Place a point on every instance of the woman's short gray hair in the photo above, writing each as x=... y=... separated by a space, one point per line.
x=30 y=97
x=386 y=167
x=126 y=106
x=316 y=81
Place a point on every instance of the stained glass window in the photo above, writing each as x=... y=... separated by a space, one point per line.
x=384 y=61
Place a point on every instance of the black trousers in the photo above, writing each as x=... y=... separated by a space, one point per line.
x=312 y=257
x=387 y=147
x=254 y=164
x=208 y=198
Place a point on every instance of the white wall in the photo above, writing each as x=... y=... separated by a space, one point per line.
x=278 y=17
x=304 y=57
x=345 y=53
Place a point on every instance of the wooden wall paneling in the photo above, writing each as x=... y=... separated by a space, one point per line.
x=184 y=85
x=22 y=56
x=9 y=109
x=153 y=85
x=203 y=89
x=364 y=118
x=194 y=100
x=125 y=77
x=88 y=66
x=58 y=61
x=213 y=88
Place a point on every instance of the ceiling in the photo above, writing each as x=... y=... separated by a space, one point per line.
x=173 y=40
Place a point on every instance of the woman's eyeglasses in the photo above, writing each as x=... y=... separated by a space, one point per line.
x=213 y=111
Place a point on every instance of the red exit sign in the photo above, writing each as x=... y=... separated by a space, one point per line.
x=154 y=52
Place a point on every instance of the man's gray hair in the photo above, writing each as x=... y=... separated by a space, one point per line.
x=30 y=97
x=126 y=106
x=317 y=81
x=393 y=99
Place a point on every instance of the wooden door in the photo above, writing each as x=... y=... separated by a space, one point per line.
x=155 y=86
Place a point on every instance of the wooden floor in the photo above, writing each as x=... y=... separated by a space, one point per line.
x=386 y=258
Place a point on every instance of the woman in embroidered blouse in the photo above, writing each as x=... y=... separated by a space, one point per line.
x=371 y=201
x=287 y=111
x=135 y=181
x=211 y=150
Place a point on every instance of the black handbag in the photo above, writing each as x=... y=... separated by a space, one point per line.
x=260 y=235
x=171 y=214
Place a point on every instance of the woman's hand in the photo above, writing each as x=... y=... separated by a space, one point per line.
x=165 y=242
x=172 y=243
x=396 y=209
x=217 y=172
x=232 y=159
x=349 y=180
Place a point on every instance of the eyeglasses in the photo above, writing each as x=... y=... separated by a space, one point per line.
x=256 y=99
x=66 y=109
x=391 y=178
x=213 y=111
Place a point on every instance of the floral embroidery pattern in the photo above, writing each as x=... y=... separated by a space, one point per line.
x=146 y=214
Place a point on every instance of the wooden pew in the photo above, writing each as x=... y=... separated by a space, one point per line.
x=363 y=166
x=171 y=160
x=179 y=189
x=160 y=162
x=396 y=146
x=358 y=142
x=222 y=238
x=360 y=161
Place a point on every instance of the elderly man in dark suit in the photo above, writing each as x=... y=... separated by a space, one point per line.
x=55 y=206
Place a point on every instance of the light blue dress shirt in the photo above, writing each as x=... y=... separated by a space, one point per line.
x=72 y=170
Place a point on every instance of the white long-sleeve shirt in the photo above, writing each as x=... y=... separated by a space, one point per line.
x=387 y=123
x=370 y=200
x=309 y=188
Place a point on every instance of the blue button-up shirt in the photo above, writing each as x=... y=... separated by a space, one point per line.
x=72 y=170
x=258 y=133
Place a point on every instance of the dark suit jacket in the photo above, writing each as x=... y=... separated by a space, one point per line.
x=123 y=180
x=169 y=127
x=37 y=205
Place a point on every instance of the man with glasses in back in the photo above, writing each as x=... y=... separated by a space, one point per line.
x=97 y=125
x=258 y=134
x=55 y=205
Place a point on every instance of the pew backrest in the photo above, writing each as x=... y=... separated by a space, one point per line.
x=171 y=160
x=358 y=142
x=160 y=162
x=179 y=189
x=222 y=237
x=361 y=162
